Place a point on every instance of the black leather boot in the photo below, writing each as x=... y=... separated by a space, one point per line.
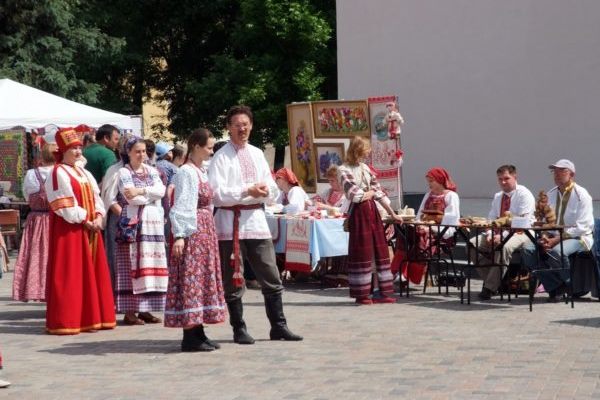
x=279 y=329
x=191 y=341
x=236 y=313
x=199 y=331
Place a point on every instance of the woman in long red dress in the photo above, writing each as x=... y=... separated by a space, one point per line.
x=79 y=294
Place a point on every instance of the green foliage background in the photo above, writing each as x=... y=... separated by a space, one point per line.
x=202 y=56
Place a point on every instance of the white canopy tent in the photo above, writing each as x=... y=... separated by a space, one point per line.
x=22 y=105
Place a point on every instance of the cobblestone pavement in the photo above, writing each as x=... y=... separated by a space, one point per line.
x=426 y=347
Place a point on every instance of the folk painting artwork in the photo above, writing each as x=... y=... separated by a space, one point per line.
x=328 y=154
x=13 y=161
x=301 y=145
x=341 y=119
x=386 y=154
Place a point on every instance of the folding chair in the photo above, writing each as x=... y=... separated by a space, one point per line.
x=10 y=222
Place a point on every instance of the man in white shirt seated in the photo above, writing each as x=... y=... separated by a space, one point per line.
x=572 y=205
x=518 y=201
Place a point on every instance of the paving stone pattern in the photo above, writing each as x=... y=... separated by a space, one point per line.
x=426 y=347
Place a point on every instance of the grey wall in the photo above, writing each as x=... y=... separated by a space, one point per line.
x=481 y=83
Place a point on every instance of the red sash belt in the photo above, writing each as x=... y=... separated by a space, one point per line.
x=238 y=278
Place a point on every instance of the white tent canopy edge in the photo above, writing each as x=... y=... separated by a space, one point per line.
x=22 y=105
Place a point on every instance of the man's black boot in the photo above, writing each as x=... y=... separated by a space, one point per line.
x=236 y=312
x=279 y=329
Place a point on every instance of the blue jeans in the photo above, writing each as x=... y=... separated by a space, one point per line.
x=551 y=280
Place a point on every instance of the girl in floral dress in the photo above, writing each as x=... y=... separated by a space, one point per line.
x=29 y=281
x=195 y=292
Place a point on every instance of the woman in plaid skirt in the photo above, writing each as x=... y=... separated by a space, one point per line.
x=367 y=247
x=142 y=273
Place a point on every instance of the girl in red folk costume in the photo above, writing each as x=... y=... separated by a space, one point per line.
x=440 y=205
x=195 y=296
x=79 y=293
x=142 y=274
x=367 y=248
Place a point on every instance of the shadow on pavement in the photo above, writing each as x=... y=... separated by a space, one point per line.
x=17 y=315
x=348 y=303
x=34 y=328
x=142 y=346
x=587 y=322
x=453 y=303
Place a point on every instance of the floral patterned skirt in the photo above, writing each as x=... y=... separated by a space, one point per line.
x=29 y=282
x=195 y=294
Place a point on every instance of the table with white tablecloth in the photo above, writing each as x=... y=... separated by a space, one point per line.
x=317 y=238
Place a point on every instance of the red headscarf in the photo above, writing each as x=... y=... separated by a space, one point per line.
x=441 y=176
x=288 y=175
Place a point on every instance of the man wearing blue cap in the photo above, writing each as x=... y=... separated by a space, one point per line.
x=572 y=205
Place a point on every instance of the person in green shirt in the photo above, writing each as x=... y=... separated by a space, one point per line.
x=101 y=155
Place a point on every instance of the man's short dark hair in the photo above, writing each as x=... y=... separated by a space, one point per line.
x=105 y=131
x=239 y=109
x=150 y=147
x=511 y=169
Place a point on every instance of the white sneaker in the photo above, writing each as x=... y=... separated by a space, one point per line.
x=4 y=383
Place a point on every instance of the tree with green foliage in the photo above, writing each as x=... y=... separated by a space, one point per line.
x=263 y=53
x=201 y=56
x=44 y=44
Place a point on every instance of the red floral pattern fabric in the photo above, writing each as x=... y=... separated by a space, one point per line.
x=195 y=294
x=29 y=282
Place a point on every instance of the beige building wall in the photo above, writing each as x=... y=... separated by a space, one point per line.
x=154 y=112
x=480 y=83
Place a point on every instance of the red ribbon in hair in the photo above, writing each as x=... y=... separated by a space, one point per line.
x=441 y=176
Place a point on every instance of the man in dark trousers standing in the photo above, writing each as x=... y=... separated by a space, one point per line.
x=242 y=183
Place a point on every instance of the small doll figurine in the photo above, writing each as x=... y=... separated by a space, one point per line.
x=394 y=120
x=544 y=214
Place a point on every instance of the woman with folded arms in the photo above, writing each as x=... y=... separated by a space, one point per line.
x=142 y=274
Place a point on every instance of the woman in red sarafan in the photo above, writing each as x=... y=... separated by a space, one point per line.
x=79 y=293
x=440 y=205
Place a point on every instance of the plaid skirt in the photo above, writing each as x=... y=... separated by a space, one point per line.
x=124 y=298
x=367 y=248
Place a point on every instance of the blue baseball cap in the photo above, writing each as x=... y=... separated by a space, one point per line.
x=162 y=149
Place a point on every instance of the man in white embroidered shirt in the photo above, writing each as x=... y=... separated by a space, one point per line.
x=519 y=202
x=242 y=183
x=572 y=205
